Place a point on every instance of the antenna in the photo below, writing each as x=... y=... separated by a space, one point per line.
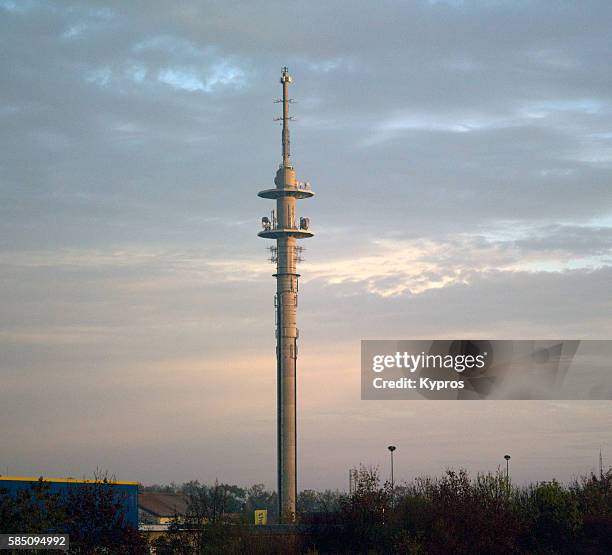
x=286 y=79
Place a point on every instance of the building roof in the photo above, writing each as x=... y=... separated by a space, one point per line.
x=63 y=480
x=163 y=504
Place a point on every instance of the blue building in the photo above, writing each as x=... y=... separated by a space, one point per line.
x=126 y=492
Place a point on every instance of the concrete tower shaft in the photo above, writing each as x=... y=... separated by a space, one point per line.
x=283 y=226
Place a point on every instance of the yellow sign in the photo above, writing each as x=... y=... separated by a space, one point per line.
x=261 y=517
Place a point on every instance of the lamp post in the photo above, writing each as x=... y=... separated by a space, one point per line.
x=391 y=449
x=507 y=457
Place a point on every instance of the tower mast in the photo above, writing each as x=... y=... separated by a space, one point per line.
x=285 y=80
x=282 y=227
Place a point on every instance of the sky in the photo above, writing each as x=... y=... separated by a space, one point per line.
x=461 y=155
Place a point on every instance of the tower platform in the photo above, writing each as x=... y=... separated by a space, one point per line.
x=285 y=232
x=286 y=192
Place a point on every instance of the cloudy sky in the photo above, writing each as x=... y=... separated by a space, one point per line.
x=461 y=153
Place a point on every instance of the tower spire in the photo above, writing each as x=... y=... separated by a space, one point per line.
x=286 y=79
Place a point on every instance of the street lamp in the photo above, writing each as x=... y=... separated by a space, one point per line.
x=507 y=457
x=391 y=449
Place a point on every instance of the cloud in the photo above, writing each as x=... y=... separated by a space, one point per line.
x=220 y=75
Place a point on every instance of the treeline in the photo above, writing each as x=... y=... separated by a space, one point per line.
x=459 y=515
x=228 y=499
x=454 y=514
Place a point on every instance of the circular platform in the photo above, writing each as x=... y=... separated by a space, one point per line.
x=286 y=232
x=286 y=192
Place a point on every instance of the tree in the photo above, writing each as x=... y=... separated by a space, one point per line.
x=364 y=514
x=91 y=514
x=34 y=510
x=96 y=521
